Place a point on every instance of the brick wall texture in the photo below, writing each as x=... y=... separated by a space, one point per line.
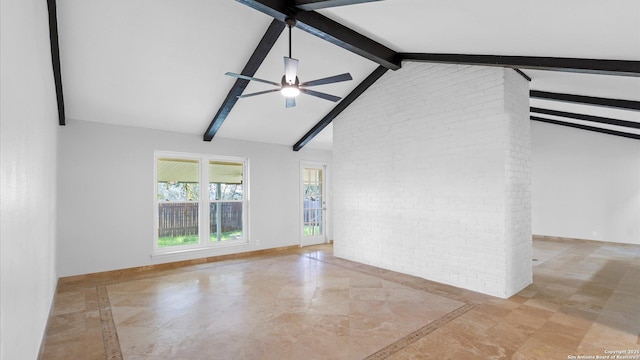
x=432 y=176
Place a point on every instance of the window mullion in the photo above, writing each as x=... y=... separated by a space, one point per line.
x=204 y=202
x=218 y=212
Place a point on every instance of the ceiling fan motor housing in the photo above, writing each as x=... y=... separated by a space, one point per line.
x=284 y=81
x=290 y=90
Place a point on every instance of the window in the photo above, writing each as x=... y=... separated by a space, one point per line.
x=226 y=195
x=201 y=202
x=178 y=196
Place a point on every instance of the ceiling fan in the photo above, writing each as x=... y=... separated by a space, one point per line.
x=290 y=85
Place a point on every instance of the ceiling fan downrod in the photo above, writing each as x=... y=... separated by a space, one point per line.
x=291 y=22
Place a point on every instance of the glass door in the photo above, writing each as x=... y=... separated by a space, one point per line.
x=314 y=206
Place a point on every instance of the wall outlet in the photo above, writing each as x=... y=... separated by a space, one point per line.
x=594 y=233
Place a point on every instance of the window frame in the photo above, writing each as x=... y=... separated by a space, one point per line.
x=203 y=203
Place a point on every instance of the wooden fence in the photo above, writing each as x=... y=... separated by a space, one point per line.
x=181 y=219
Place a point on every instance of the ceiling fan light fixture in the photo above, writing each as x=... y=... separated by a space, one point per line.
x=290 y=87
x=290 y=91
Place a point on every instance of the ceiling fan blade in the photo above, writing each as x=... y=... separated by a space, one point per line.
x=258 y=93
x=291 y=102
x=328 y=80
x=290 y=69
x=251 y=78
x=321 y=95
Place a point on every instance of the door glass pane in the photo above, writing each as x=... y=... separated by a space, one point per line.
x=178 y=192
x=313 y=202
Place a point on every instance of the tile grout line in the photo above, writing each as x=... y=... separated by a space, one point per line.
x=114 y=352
x=420 y=333
x=391 y=279
x=414 y=336
x=109 y=332
x=549 y=261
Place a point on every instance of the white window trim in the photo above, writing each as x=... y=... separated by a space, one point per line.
x=203 y=245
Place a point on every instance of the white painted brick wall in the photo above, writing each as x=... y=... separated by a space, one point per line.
x=518 y=191
x=432 y=176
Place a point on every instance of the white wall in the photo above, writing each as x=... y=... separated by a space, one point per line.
x=106 y=193
x=431 y=177
x=28 y=140
x=585 y=185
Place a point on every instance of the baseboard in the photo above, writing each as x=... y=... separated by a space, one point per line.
x=75 y=281
x=576 y=240
x=46 y=324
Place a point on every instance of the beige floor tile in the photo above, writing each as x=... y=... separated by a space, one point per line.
x=307 y=304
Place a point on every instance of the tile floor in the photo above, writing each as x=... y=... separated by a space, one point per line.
x=307 y=304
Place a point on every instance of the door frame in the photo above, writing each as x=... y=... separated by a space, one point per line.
x=325 y=190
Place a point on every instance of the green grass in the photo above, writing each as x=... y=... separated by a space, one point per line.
x=228 y=235
x=193 y=239
x=177 y=240
x=312 y=230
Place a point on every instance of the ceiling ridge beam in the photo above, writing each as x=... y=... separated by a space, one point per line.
x=353 y=95
x=259 y=54
x=586 y=100
x=577 y=65
x=585 y=127
x=55 y=58
x=329 y=30
x=309 y=5
x=590 y=118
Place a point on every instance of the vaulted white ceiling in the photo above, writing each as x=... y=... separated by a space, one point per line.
x=160 y=63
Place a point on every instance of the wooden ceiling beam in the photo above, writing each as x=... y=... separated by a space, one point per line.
x=55 y=58
x=586 y=100
x=309 y=5
x=329 y=30
x=353 y=95
x=588 y=66
x=589 y=128
x=258 y=56
x=590 y=118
